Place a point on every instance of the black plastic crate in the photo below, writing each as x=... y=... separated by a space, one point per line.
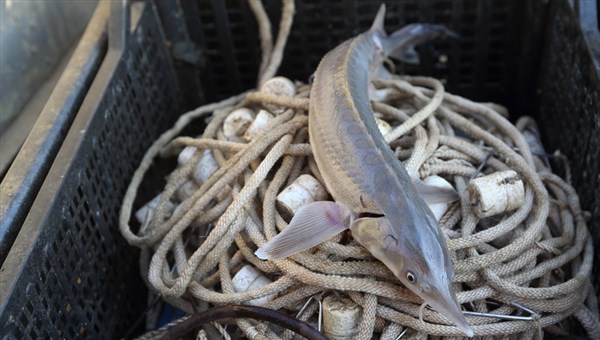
x=69 y=272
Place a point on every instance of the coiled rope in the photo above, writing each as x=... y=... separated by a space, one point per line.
x=539 y=255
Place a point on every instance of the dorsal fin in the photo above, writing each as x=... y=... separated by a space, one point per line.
x=379 y=20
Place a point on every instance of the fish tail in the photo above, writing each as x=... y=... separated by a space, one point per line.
x=401 y=44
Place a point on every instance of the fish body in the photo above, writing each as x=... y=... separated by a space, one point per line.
x=348 y=147
x=374 y=195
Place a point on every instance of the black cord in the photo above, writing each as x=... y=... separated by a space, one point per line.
x=242 y=312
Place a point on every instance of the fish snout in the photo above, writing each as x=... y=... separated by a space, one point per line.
x=443 y=300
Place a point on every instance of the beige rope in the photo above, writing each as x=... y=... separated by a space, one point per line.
x=539 y=255
x=266 y=38
x=272 y=55
x=489 y=262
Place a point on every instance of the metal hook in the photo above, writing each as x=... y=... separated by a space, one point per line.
x=316 y=297
x=320 y=317
x=527 y=309
x=531 y=317
x=402 y=333
x=304 y=307
x=499 y=316
x=482 y=164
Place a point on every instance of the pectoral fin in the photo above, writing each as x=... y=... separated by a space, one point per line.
x=311 y=225
x=438 y=193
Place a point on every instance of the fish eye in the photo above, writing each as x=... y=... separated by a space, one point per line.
x=411 y=277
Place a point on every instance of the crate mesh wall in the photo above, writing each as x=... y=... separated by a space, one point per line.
x=569 y=90
x=481 y=64
x=231 y=47
x=80 y=278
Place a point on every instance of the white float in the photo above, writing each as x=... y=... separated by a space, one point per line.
x=304 y=190
x=496 y=193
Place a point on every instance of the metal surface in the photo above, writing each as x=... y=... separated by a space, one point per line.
x=27 y=172
x=34 y=35
x=69 y=272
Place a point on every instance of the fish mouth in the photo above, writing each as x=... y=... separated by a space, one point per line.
x=444 y=302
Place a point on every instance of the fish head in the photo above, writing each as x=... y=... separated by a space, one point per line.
x=423 y=268
x=435 y=288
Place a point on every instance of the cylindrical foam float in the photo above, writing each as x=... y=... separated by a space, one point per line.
x=496 y=193
x=258 y=125
x=341 y=318
x=304 y=190
x=280 y=86
x=248 y=278
x=236 y=124
x=142 y=212
x=207 y=164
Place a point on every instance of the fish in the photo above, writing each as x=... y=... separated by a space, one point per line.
x=374 y=196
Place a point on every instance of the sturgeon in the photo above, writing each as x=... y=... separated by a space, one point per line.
x=374 y=195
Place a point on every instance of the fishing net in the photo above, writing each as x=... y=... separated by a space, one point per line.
x=529 y=266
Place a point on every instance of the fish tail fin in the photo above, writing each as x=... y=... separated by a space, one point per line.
x=401 y=44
